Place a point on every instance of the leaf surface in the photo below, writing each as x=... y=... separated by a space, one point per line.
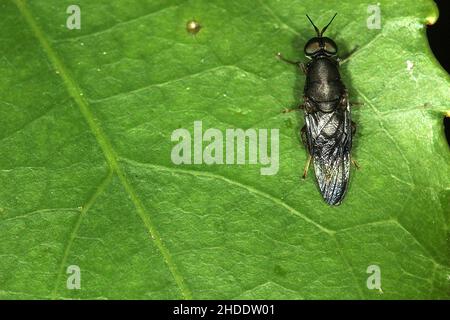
x=86 y=118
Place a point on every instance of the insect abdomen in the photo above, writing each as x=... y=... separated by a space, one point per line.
x=329 y=142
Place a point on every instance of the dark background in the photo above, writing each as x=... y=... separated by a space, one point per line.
x=439 y=39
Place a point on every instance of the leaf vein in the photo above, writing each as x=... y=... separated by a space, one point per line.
x=75 y=91
x=114 y=26
x=105 y=182
x=250 y=189
x=164 y=83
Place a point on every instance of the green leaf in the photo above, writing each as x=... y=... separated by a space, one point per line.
x=86 y=118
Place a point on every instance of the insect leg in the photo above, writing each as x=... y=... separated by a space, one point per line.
x=308 y=162
x=287 y=110
x=356 y=164
x=308 y=106
x=344 y=103
x=353 y=128
x=305 y=142
x=356 y=103
x=295 y=63
x=303 y=135
x=348 y=56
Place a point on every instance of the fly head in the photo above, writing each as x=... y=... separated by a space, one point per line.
x=320 y=45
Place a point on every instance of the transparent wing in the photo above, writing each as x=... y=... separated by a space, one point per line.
x=329 y=137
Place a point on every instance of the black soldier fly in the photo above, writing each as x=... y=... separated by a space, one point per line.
x=328 y=130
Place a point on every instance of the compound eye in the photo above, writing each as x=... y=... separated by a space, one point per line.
x=312 y=47
x=330 y=46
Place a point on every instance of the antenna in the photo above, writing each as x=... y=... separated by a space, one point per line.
x=317 y=30
x=323 y=30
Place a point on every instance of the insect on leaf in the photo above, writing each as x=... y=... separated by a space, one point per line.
x=91 y=205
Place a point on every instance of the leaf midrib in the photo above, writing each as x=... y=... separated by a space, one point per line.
x=111 y=158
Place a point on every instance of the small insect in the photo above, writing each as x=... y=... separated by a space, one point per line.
x=328 y=130
x=193 y=26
